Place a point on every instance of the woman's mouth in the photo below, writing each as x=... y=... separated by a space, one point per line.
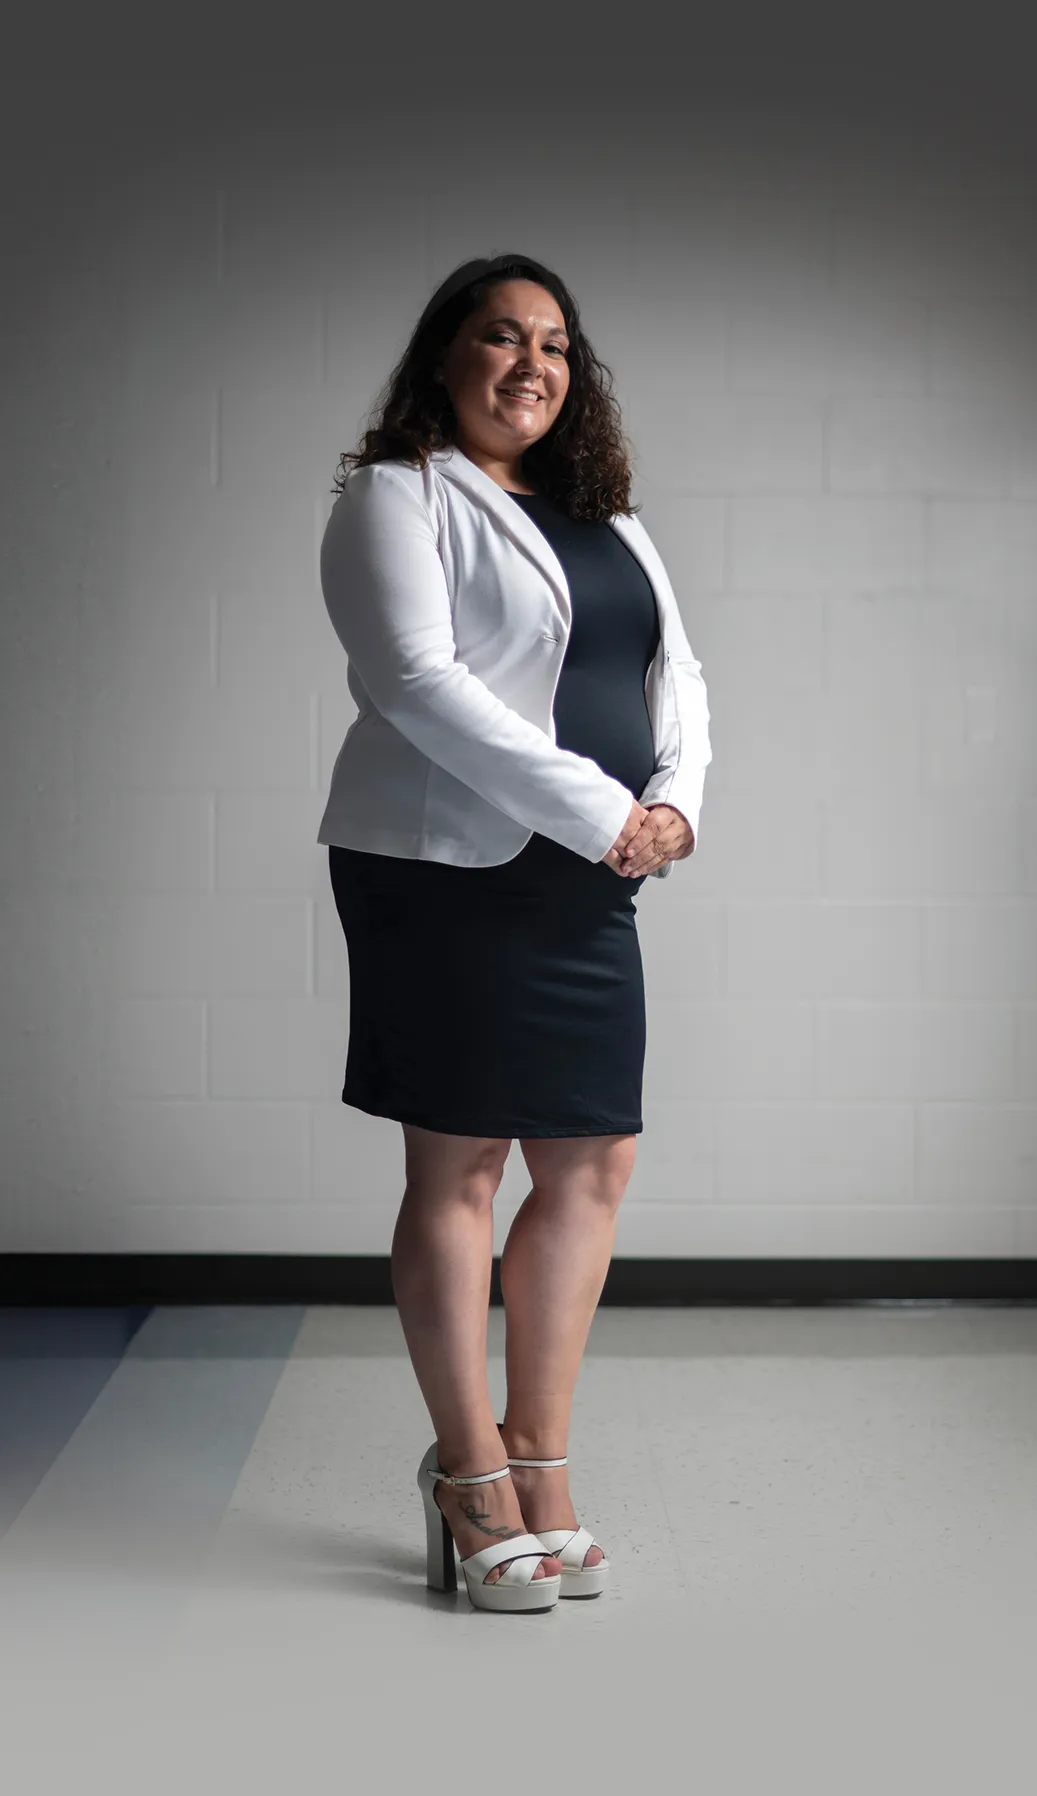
x=520 y=398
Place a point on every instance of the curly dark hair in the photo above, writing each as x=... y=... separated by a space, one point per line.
x=581 y=462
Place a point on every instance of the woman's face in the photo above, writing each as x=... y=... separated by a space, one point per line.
x=517 y=339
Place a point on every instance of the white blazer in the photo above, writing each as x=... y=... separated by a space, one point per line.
x=454 y=612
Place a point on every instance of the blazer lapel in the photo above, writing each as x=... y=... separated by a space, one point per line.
x=520 y=527
x=509 y=517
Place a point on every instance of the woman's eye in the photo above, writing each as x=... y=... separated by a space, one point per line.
x=501 y=337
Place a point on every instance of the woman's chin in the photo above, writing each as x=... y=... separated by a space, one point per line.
x=528 y=429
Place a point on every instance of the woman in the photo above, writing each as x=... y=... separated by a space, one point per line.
x=531 y=743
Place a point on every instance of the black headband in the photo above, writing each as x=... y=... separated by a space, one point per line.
x=468 y=272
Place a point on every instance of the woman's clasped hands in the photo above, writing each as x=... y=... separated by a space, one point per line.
x=651 y=835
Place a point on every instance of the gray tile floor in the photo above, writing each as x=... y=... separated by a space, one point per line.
x=821 y=1525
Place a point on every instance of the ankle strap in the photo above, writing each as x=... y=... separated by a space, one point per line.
x=481 y=1478
x=564 y=1461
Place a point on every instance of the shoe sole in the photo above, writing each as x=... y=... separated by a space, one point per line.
x=590 y=1581
x=514 y=1600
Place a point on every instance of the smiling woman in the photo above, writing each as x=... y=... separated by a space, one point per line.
x=575 y=451
x=510 y=353
x=510 y=647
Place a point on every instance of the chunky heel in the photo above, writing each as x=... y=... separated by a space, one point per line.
x=516 y=1591
x=441 y=1564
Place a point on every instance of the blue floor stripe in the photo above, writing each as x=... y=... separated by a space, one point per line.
x=106 y=1551
x=53 y=1365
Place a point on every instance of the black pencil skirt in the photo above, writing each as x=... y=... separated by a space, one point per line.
x=496 y=1001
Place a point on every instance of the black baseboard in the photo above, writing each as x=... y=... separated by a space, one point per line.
x=74 y=1279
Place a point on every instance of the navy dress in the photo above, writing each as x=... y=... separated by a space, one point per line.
x=508 y=1001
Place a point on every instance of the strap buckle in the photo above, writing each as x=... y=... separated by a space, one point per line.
x=480 y=1478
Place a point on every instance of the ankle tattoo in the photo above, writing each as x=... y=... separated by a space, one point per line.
x=479 y=1518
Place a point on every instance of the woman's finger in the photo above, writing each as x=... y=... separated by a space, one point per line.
x=653 y=845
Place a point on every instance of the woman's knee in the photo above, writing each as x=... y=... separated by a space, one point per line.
x=466 y=1168
x=595 y=1167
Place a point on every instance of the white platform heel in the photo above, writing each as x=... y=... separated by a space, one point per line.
x=571 y=1546
x=516 y=1590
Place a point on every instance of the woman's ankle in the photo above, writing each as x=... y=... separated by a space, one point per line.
x=532 y=1443
x=466 y=1456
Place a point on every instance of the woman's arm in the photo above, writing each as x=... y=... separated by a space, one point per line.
x=679 y=776
x=386 y=593
x=684 y=753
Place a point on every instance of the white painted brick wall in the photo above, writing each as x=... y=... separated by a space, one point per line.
x=830 y=381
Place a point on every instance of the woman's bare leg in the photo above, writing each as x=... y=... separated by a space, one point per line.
x=442 y=1252
x=553 y=1268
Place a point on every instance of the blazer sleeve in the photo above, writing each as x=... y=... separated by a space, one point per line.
x=386 y=593
x=679 y=776
x=680 y=771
